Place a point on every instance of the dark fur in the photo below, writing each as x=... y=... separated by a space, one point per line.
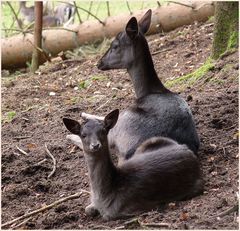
x=160 y=171
x=157 y=111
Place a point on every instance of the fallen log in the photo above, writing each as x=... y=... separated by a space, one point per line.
x=17 y=50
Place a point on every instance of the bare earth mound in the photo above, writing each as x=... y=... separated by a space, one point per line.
x=38 y=121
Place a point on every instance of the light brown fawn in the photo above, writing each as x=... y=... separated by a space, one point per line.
x=160 y=171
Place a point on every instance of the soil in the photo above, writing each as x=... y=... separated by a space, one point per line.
x=41 y=100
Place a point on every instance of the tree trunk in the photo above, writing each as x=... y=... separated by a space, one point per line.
x=38 y=13
x=225 y=28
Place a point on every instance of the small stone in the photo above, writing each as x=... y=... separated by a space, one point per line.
x=52 y=93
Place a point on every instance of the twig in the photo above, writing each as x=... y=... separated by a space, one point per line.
x=159 y=4
x=129 y=8
x=53 y=159
x=18 y=30
x=154 y=224
x=99 y=227
x=101 y=106
x=76 y=195
x=228 y=211
x=79 y=17
x=40 y=162
x=85 y=191
x=161 y=51
x=108 y=8
x=20 y=224
x=89 y=9
x=134 y=220
x=20 y=150
x=182 y=4
x=45 y=28
x=19 y=24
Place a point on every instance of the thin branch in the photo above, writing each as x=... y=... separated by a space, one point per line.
x=40 y=162
x=143 y=224
x=20 y=224
x=74 y=196
x=20 y=150
x=161 y=51
x=182 y=4
x=103 y=105
x=79 y=17
x=129 y=7
x=53 y=159
x=108 y=8
x=16 y=17
x=159 y=4
x=228 y=211
x=89 y=9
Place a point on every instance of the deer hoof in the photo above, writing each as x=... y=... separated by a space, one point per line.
x=91 y=210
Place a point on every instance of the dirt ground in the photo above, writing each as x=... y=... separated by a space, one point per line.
x=41 y=100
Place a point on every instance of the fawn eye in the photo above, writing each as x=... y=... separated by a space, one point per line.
x=83 y=135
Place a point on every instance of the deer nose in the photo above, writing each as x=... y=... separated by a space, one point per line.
x=95 y=147
x=99 y=64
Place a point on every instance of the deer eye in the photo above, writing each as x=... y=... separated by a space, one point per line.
x=83 y=135
x=114 y=46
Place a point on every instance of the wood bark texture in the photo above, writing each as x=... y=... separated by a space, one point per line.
x=36 y=55
x=225 y=27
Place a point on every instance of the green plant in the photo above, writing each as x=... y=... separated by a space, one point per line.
x=9 y=116
x=191 y=78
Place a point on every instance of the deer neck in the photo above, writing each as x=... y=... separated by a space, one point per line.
x=101 y=171
x=143 y=74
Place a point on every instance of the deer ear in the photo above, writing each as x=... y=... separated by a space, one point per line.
x=111 y=119
x=132 y=28
x=145 y=21
x=72 y=125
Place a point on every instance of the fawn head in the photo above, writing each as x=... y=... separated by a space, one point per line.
x=124 y=48
x=93 y=132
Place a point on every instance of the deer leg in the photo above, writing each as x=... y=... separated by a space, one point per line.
x=76 y=140
x=91 y=210
x=89 y=116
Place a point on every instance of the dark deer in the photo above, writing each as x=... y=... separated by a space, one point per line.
x=157 y=111
x=160 y=171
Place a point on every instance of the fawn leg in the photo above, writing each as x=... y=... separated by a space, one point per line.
x=76 y=140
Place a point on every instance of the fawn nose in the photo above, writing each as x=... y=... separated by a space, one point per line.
x=95 y=146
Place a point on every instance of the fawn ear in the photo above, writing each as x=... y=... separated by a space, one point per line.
x=132 y=28
x=145 y=21
x=72 y=125
x=111 y=119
